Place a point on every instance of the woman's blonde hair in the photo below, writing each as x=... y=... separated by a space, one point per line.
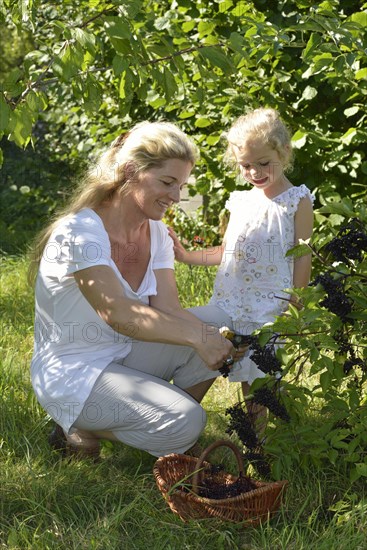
x=145 y=146
x=264 y=125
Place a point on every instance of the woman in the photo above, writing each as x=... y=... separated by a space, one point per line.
x=110 y=333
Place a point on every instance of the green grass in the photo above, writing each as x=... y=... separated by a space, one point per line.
x=48 y=503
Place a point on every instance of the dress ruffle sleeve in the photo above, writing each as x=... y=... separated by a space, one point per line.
x=292 y=198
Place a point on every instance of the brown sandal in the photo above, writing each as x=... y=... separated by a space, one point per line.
x=77 y=445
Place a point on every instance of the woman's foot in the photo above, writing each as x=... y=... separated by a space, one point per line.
x=80 y=444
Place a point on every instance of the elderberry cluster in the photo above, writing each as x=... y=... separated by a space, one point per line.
x=336 y=300
x=350 y=243
x=354 y=362
x=240 y=423
x=264 y=357
x=344 y=345
x=211 y=489
x=225 y=370
x=266 y=397
x=346 y=348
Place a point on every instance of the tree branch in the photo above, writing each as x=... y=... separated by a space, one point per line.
x=91 y=19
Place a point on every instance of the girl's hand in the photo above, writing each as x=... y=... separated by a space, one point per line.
x=181 y=254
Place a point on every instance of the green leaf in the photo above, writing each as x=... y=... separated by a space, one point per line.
x=188 y=26
x=186 y=114
x=241 y=8
x=169 y=84
x=282 y=356
x=120 y=36
x=333 y=456
x=264 y=336
x=119 y=64
x=349 y=136
x=205 y=28
x=213 y=139
x=309 y=93
x=354 y=475
x=117 y=28
x=86 y=39
x=9 y=84
x=313 y=42
x=69 y=62
x=5 y=113
x=20 y=125
x=126 y=81
x=217 y=58
x=299 y=139
x=202 y=122
x=298 y=251
x=361 y=74
x=225 y=5
x=361 y=468
x=341 y=208
x=236 y=42
x=92 y=94
x=13 y=538
x=360 y=18
x=325 y=380
x=155 y=100
x=337 y=208
x=130 y=9
x=294 y=311
x=320 y=63
x=351 y=111
x=33 y=101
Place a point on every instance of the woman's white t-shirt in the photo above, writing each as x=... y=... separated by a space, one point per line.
x=72 y=344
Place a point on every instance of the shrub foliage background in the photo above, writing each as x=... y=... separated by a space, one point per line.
x=320 y=374
x=77 y=73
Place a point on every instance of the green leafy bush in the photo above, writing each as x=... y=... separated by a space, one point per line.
x=319 y=373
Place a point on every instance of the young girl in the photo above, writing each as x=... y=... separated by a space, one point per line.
x=264 y=223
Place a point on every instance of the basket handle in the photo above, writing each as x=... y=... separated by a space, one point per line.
x=197 y=478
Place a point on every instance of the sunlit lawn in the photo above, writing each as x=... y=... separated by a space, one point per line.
x=47 y=502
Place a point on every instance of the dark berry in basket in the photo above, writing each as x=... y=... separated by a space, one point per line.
x=216 y=489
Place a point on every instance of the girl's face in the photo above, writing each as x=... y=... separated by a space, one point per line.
x=158 y=188
x=261 y=166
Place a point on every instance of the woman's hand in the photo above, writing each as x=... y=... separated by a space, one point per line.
x=214 y=349
x=240 y=352
x=240 y=342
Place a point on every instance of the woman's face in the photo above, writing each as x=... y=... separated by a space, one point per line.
x=155 y=190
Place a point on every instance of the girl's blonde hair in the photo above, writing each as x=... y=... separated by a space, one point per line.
x=264 y=125
x=145 y=146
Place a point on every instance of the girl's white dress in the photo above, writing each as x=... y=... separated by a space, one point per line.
x=252 y=281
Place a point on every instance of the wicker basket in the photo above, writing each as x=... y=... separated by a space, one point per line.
x=174 y=473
